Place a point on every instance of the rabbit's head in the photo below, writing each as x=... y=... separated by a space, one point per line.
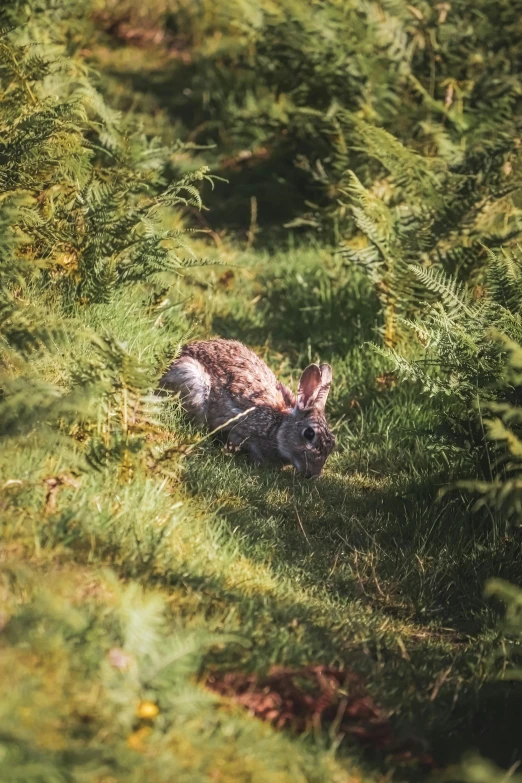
x=304 y=438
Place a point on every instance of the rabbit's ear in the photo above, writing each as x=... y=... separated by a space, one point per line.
x=324 y=390
x=309 y=385
x=314 y=387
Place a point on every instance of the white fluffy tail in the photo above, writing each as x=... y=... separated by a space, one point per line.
x=188 y=377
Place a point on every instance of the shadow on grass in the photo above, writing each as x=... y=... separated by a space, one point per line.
x=423 y=678
x=359 y=537
x=297 y=576
x=347 y=544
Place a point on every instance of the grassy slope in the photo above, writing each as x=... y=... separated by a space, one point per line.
x=352 y=570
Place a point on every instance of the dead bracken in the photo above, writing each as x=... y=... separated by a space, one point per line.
x=312 y=698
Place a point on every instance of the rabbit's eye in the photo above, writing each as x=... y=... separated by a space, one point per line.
x=309 y=434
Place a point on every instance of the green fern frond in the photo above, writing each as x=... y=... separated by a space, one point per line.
x=454 y=295
x=421 y=179
x=504 y=278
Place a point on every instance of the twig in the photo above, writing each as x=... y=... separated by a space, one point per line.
x=221 y=426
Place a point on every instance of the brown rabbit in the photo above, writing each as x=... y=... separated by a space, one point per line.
x=219 y=380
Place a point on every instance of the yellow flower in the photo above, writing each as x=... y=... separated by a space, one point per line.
x=147 y=709
x=136 y=739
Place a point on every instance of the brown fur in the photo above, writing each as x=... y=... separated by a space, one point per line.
x=219 y=380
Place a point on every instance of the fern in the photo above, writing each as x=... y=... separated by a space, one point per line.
x=504 y=279
x=97 y=198
x=466 y=357
x=433 y=216
x=419 y=179
x=454 y=296
x=86 y=208
x=503 y=427
x=394 y=241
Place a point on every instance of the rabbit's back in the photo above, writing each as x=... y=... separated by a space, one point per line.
x=219 y=379
x=238 y=373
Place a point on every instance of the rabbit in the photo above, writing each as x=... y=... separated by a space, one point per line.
x=223 y=384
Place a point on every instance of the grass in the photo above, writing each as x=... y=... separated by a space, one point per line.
x=124 y=586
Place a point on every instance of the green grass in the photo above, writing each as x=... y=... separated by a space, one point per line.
x=192 y=560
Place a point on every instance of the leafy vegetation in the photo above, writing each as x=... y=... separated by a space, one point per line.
x=151 y=584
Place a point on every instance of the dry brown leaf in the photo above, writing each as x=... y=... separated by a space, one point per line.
x=315 y=697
